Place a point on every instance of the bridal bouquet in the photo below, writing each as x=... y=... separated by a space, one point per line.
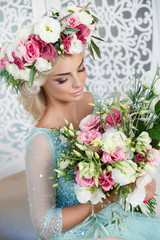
x=114 y=147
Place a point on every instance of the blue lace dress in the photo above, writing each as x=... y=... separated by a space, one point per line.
x=46 y=203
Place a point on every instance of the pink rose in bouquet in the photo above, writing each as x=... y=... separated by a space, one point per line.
x=113 y=118
x=90 y=122
x=155 y=159
x=106 y=181
x=139 y=158
x=84 y=182
x=88 y=136
x=118 y=154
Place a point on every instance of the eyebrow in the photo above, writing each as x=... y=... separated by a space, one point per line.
x=61 y=74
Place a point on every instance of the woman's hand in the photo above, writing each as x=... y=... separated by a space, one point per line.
x=150 y=190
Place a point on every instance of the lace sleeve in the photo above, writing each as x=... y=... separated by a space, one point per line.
x=46 y=217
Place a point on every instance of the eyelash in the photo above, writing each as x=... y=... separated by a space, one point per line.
x=63 y=81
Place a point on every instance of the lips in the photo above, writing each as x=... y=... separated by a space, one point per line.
x=78 y=93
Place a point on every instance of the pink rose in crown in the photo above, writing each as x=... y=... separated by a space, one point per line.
x=114 y=114
x=18 y=61
x=83 y=32
x=84 y=182
x=3 y=62
x=32 y=52
x=155 y=160
x=66 y=41
x=90 y=122
x=106 y=181
x=89 y=136
x=49 y=52
x=37 y=40
x=73 y=19
x=46 y=50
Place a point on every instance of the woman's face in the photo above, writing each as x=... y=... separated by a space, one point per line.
x=66 y=82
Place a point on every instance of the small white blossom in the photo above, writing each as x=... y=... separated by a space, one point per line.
x=18 y=73
x=64 y=164
x=156 y=88
x=3 y=52
x=148 y=79
x=97 y=196
x=43 y=65
x=24 y=32
x=82 y=195
x=76 y=46
x=149 y=168
x=48 y=29
x=85 y=196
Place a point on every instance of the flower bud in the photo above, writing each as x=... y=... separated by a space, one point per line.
x=92 y=104
x=89 y=153
x=71 y=133
x=56 y=185
x=123 y=106
x=78 y=133
x=62 y=47
x=71 y=127
x=109 y=168
x=77 y=153
x=67 y=123
x=96 y=155
x=81 y=147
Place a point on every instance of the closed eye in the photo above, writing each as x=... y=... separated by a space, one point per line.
x=82 y=70
x=60 y=81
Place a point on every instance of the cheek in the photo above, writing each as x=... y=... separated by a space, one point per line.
x=83 y=76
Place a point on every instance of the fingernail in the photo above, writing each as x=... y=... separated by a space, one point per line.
x=150 y=199
x=144 y=200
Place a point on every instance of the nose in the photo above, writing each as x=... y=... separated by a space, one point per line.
x=76 y=81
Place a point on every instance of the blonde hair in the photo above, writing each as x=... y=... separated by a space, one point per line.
x=33 y=98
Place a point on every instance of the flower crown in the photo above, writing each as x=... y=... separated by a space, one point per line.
x=38 y=44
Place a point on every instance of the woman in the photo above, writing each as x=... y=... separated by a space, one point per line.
x=56 y=92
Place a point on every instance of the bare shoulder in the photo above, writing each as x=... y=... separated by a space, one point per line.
x=84 y=106
x=88 y=97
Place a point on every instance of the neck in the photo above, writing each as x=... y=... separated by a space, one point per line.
x=57 y=112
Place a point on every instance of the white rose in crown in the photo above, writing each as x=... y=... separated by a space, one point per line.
x=48 y=29
x=18 y=73
x=43 y=65
x=125 y=172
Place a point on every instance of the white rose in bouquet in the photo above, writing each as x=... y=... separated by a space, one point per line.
x=125 y=173
x=111 y=139
x=138 y=195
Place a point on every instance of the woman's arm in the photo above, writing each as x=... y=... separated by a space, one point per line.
x=81 y=211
